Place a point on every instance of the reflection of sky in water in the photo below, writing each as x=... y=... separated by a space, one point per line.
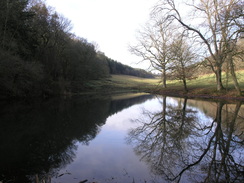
x=108 y=158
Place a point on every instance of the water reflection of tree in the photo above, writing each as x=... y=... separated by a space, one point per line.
x=38 y=139
x=224 y=149
x=178 y=145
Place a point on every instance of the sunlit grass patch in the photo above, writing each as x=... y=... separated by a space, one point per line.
x=127 y=96
x=204 y=81
x=126 y=79
x=209 y=80
x=240 y=77
x=204 y=84
x=131 y=81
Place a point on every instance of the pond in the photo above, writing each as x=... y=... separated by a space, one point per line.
x=128 y=138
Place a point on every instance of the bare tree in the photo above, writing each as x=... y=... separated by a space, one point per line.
x=215 y=24
x=182 y=58
x=153 y=46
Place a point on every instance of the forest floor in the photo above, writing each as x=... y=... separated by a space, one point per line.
x=202 y=87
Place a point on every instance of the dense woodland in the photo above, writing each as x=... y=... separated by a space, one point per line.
x=119 y=68
x=39 y=56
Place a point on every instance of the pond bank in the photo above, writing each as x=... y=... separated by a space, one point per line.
x=200 y=94
x=197 y=88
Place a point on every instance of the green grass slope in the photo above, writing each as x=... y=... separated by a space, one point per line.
x=204 y=85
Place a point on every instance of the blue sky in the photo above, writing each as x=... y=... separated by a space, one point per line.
x=112 y=24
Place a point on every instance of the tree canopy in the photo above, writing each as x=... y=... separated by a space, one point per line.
x=40 y=56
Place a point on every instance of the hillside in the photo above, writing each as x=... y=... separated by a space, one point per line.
x=39 y=56
x=201 y=87
x=116 y=67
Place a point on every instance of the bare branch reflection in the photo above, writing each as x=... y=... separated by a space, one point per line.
x=180 y=145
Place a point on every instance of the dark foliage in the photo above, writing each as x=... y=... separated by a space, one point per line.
x=40 y=57
x=119 y=68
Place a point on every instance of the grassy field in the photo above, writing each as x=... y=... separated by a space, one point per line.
x=208 y=82
x=202 y=85
x=121 y=83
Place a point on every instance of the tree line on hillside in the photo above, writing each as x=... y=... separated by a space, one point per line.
x=40 y=56
x=119 y=68
x=122 y=69
x=211 y=34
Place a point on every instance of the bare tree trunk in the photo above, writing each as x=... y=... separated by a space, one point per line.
x=184 y=76
x=5 y=24
x=164 y=77
x=185 y=87
x=37 y=178
x=233 y=74
x=219 y=78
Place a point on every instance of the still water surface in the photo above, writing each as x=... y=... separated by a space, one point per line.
x=126 y=139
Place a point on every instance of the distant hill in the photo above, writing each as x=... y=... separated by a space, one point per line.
x=119 y=68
